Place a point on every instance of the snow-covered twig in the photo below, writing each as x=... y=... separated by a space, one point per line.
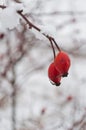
x=31 y=25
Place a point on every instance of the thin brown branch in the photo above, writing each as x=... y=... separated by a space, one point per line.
x=28 y=22
x=23 y=51
x=2 y=6
x=13 y=87
x=75 y=124
x=17 y=1
x=61 y=13
x=31 y=25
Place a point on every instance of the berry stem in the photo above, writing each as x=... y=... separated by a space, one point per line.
x=56 y=44
x=52 y=48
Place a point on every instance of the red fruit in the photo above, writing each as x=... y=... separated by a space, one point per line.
x=62 y=63
x=54 y=75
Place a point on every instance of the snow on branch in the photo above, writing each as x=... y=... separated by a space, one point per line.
x=10 y=17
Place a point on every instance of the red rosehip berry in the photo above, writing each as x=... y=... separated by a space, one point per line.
x=54 y=75
x=62 y=63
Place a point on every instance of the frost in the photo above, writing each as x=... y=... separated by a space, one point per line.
x=2 y=1
x=29 y=5
x=8 y=17
x=2 y=30
x=35 y=92
x=49 y=30
x=38 y=35
x=16 y=6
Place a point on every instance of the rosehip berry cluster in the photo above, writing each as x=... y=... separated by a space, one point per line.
x=59 y=68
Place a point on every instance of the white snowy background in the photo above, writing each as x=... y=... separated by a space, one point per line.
x=39 y=104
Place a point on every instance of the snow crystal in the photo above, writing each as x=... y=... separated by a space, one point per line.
x=38 y=35
x=49 y=30
x=8 y=17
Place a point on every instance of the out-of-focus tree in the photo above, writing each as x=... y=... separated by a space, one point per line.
x=25 y=55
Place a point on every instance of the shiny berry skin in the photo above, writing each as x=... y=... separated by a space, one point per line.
x=54 y=75
x=62 y=62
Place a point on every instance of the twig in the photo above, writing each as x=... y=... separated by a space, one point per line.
x=2 y=6
x=31 y=25
x=61 y=13
x=14 y=88
x=75 y=124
